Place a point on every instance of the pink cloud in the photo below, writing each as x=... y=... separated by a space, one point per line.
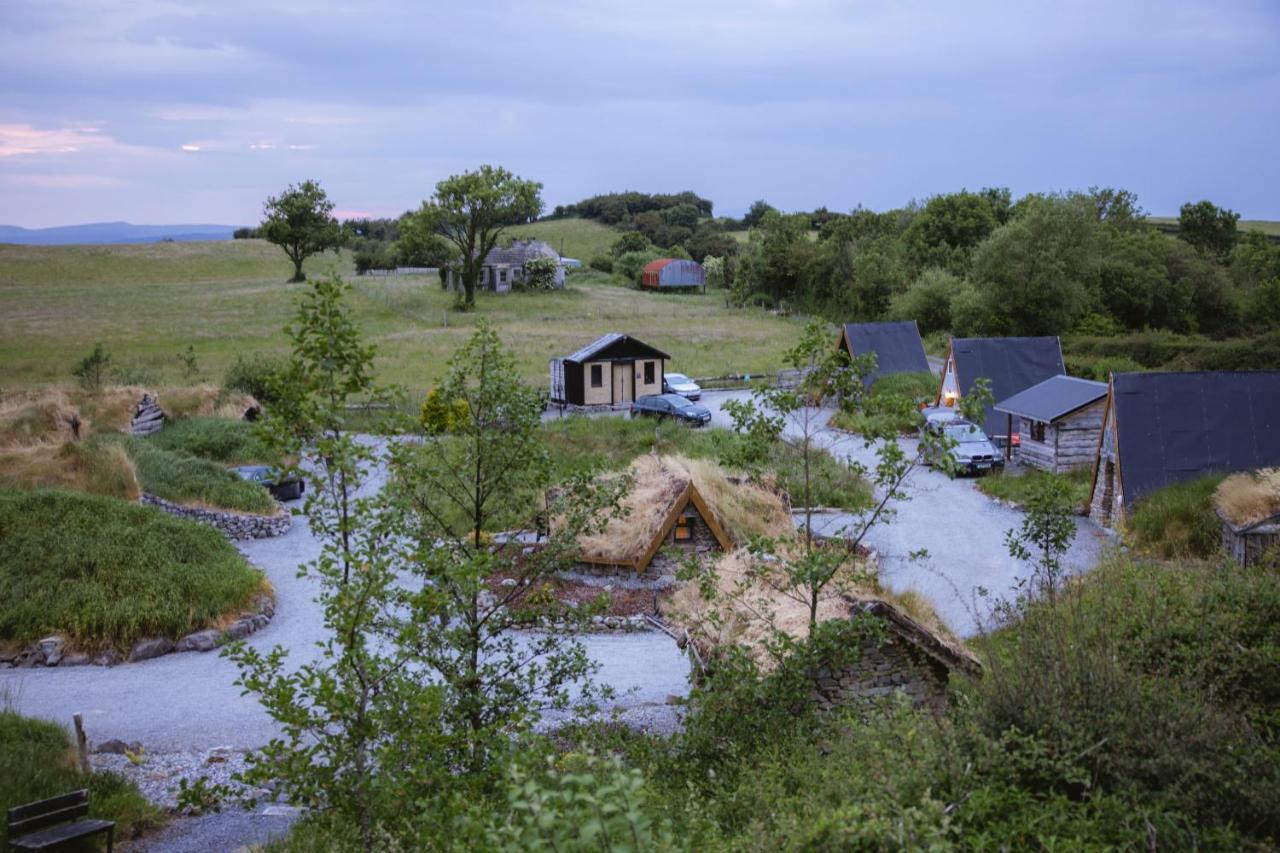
x=20 y=139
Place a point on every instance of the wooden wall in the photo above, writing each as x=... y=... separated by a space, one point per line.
x=1071 y=442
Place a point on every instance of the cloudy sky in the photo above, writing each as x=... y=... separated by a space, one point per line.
x=161 y=111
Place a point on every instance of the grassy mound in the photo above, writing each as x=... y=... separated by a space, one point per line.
x=38 y=761
x=1018 y=488
x=1249 y=497
x=892 y=406
x=231 y=442
x=99 y=468
x=105 y=572
x=1178 y=521
x=185 y=479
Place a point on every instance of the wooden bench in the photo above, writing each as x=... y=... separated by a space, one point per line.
x=53 y=822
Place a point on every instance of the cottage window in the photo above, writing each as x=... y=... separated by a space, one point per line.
x=1037 y=431
x=684 y=529
x=597 y=376
x=502 y=275
x=648 y=373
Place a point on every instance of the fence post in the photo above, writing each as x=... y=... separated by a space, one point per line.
x=82 y=743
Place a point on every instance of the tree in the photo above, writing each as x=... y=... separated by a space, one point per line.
x=419 y=246
x=300 y=221
x=1045 y=535
x=472 y=210
x=631 y=241
x=1209 y=228
x=1117 y=208
x=91 y=369
x=946 y=231
x=928 y=301
x=756 y=213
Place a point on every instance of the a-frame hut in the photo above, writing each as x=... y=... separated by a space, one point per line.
x=1011 y=365
x=897 y=346
x=1164 y=428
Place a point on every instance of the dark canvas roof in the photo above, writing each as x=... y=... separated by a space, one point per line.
x=1053 y=398
x=615 y=345
x=1012 y=364
x=897 y=346
x=1176 y=426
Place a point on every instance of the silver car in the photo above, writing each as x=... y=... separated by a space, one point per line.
x=971 y=451
x=678 y=383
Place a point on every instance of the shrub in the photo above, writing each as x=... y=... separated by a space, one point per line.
x=91 y=370
x=106 y=572
x=38 y=762
x=255 y=375
x=603 y=263
x=1100 y=369
x=1178 y=521
x=892 y=407
x=927 y=301
x=631 y=241
x=539 y=274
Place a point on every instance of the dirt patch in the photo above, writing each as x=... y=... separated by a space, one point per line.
x=615 y=601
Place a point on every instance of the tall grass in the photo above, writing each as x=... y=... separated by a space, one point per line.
x=178 y=476
x=106 y=572
x=1019 y=488
x=892 y=406
x=1178 y=520
x=37 y=761
x=231 y=442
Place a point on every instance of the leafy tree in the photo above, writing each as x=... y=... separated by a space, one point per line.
x=1045 y=535
x=1209 y=228
x=948 y=228
x=707 y=242
x=631 y=241
x=1133 y=281
x=770 y=263
x=300 y=221
x=714 y=268
x=1255 y=260
x=756 y=213
x=685 y=215
x=539 y=274
x=1038 y=274
x=472 y=210
x=928 y=301
x=1117 y=208
x=419 y=246
x=92 y=368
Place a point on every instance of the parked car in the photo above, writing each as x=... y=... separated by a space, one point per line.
x=971 y=450
x=939 y=414
x=671 y=406
x=281 y=488
x=678 y=383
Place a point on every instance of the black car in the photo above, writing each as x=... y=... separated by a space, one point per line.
x=671 y=406
x=282 y=489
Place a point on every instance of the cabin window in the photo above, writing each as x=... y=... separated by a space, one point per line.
x=648 y=373
x=502 y=275
x=597 y=376
x=684 y=528
x=1037 y=431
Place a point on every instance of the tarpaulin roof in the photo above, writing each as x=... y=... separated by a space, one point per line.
x=1053 y=398
x=897 y=346
x=615 y=345
x=1172 y=427
x=1011 y=364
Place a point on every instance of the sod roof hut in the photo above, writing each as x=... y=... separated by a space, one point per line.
x=1057 y=422
x=1165 y=428
x=897 y=346
x=1010 y=364
x=681 y=506
x=1248 y=505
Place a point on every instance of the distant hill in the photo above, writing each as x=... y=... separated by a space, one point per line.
x=112 y=232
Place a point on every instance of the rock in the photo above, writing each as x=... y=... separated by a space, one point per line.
x=510 y=582
x=152 y=648
x=239 y=629
x=116 y=747
x=75 y=660
x=200 y=641
x=110 y=657
x=52 y=645
x=266 y=606
x=259 y=622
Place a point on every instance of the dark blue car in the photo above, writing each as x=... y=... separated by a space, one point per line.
x=671 y=406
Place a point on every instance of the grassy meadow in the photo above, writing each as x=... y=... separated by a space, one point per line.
x=147 y=303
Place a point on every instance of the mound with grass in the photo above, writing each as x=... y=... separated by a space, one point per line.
x=1018 y=488
x=39 y=762
x=218 y=439
x=1178 y=521
x=892 y=406
x=105 y=573
x=1249 y=498
x=182 y=478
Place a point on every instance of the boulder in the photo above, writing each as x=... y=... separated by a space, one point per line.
x=200 y=641
x=75 y=660
x=152 y=648
x=110 y=657
x=116 y=747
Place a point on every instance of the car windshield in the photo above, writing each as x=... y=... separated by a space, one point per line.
x=677 y=379
x=678 y=402
x=965 y=434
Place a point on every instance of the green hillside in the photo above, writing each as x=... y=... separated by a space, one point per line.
x=573 y=238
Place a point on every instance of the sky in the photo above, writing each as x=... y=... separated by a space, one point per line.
x=163 y=111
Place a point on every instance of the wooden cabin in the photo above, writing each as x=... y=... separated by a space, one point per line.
x=612 y=370
x=897 y=346
x=1164 y=428
x=1011 y=365
x=1057 y=422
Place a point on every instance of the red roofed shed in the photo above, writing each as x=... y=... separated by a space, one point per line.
x=672 y=272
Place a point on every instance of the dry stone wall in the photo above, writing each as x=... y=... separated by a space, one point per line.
x=234 y=525
x=881 y=666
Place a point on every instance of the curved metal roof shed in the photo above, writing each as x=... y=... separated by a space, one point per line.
x=673 y=273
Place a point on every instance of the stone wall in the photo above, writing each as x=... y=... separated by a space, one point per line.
x=234 y=525
x=882 y=665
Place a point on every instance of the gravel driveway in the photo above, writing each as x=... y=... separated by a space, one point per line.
x=189 y=702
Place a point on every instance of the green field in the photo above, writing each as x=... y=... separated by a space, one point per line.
x=1266 y=226
x=147 y=303
x=572 y=238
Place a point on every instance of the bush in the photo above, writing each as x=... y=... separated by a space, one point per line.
x=892 y=407
x=603 y=263
x=37 y=761
x=106 y=573
x=255 y=375
x=178 y=476
x=1178 y=521
x=1100 y=369
x=539 y=274
x=1169 y=351
x=223 y=440
x=91 y=370
x=927 y=301
x=1019 y=488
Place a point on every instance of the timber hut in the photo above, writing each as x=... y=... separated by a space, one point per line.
x=1011 y=365
x=1164 y=428
x=1057 y=422
x=1248 y=506
x=672 y=274
x=897 y=346
x=611 y=370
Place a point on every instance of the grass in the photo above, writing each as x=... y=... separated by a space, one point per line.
x=106 y=573
x=146 y=303
x=892 y=407
x=572 y=238
x=222 y=440
x=1266 y=226
x=99 y=468
x=1178 y=521
x=1018 y=488
x=178 y=476
x=1249 y=497
x=37 y=761
x=580 y=444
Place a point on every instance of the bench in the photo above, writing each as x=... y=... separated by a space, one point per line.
x=53 y=822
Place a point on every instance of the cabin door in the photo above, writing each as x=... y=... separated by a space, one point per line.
x=623 y=387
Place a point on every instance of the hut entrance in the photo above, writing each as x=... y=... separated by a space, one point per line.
x=622 y=382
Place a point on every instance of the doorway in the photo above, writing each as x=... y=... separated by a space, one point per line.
x=623 y=382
